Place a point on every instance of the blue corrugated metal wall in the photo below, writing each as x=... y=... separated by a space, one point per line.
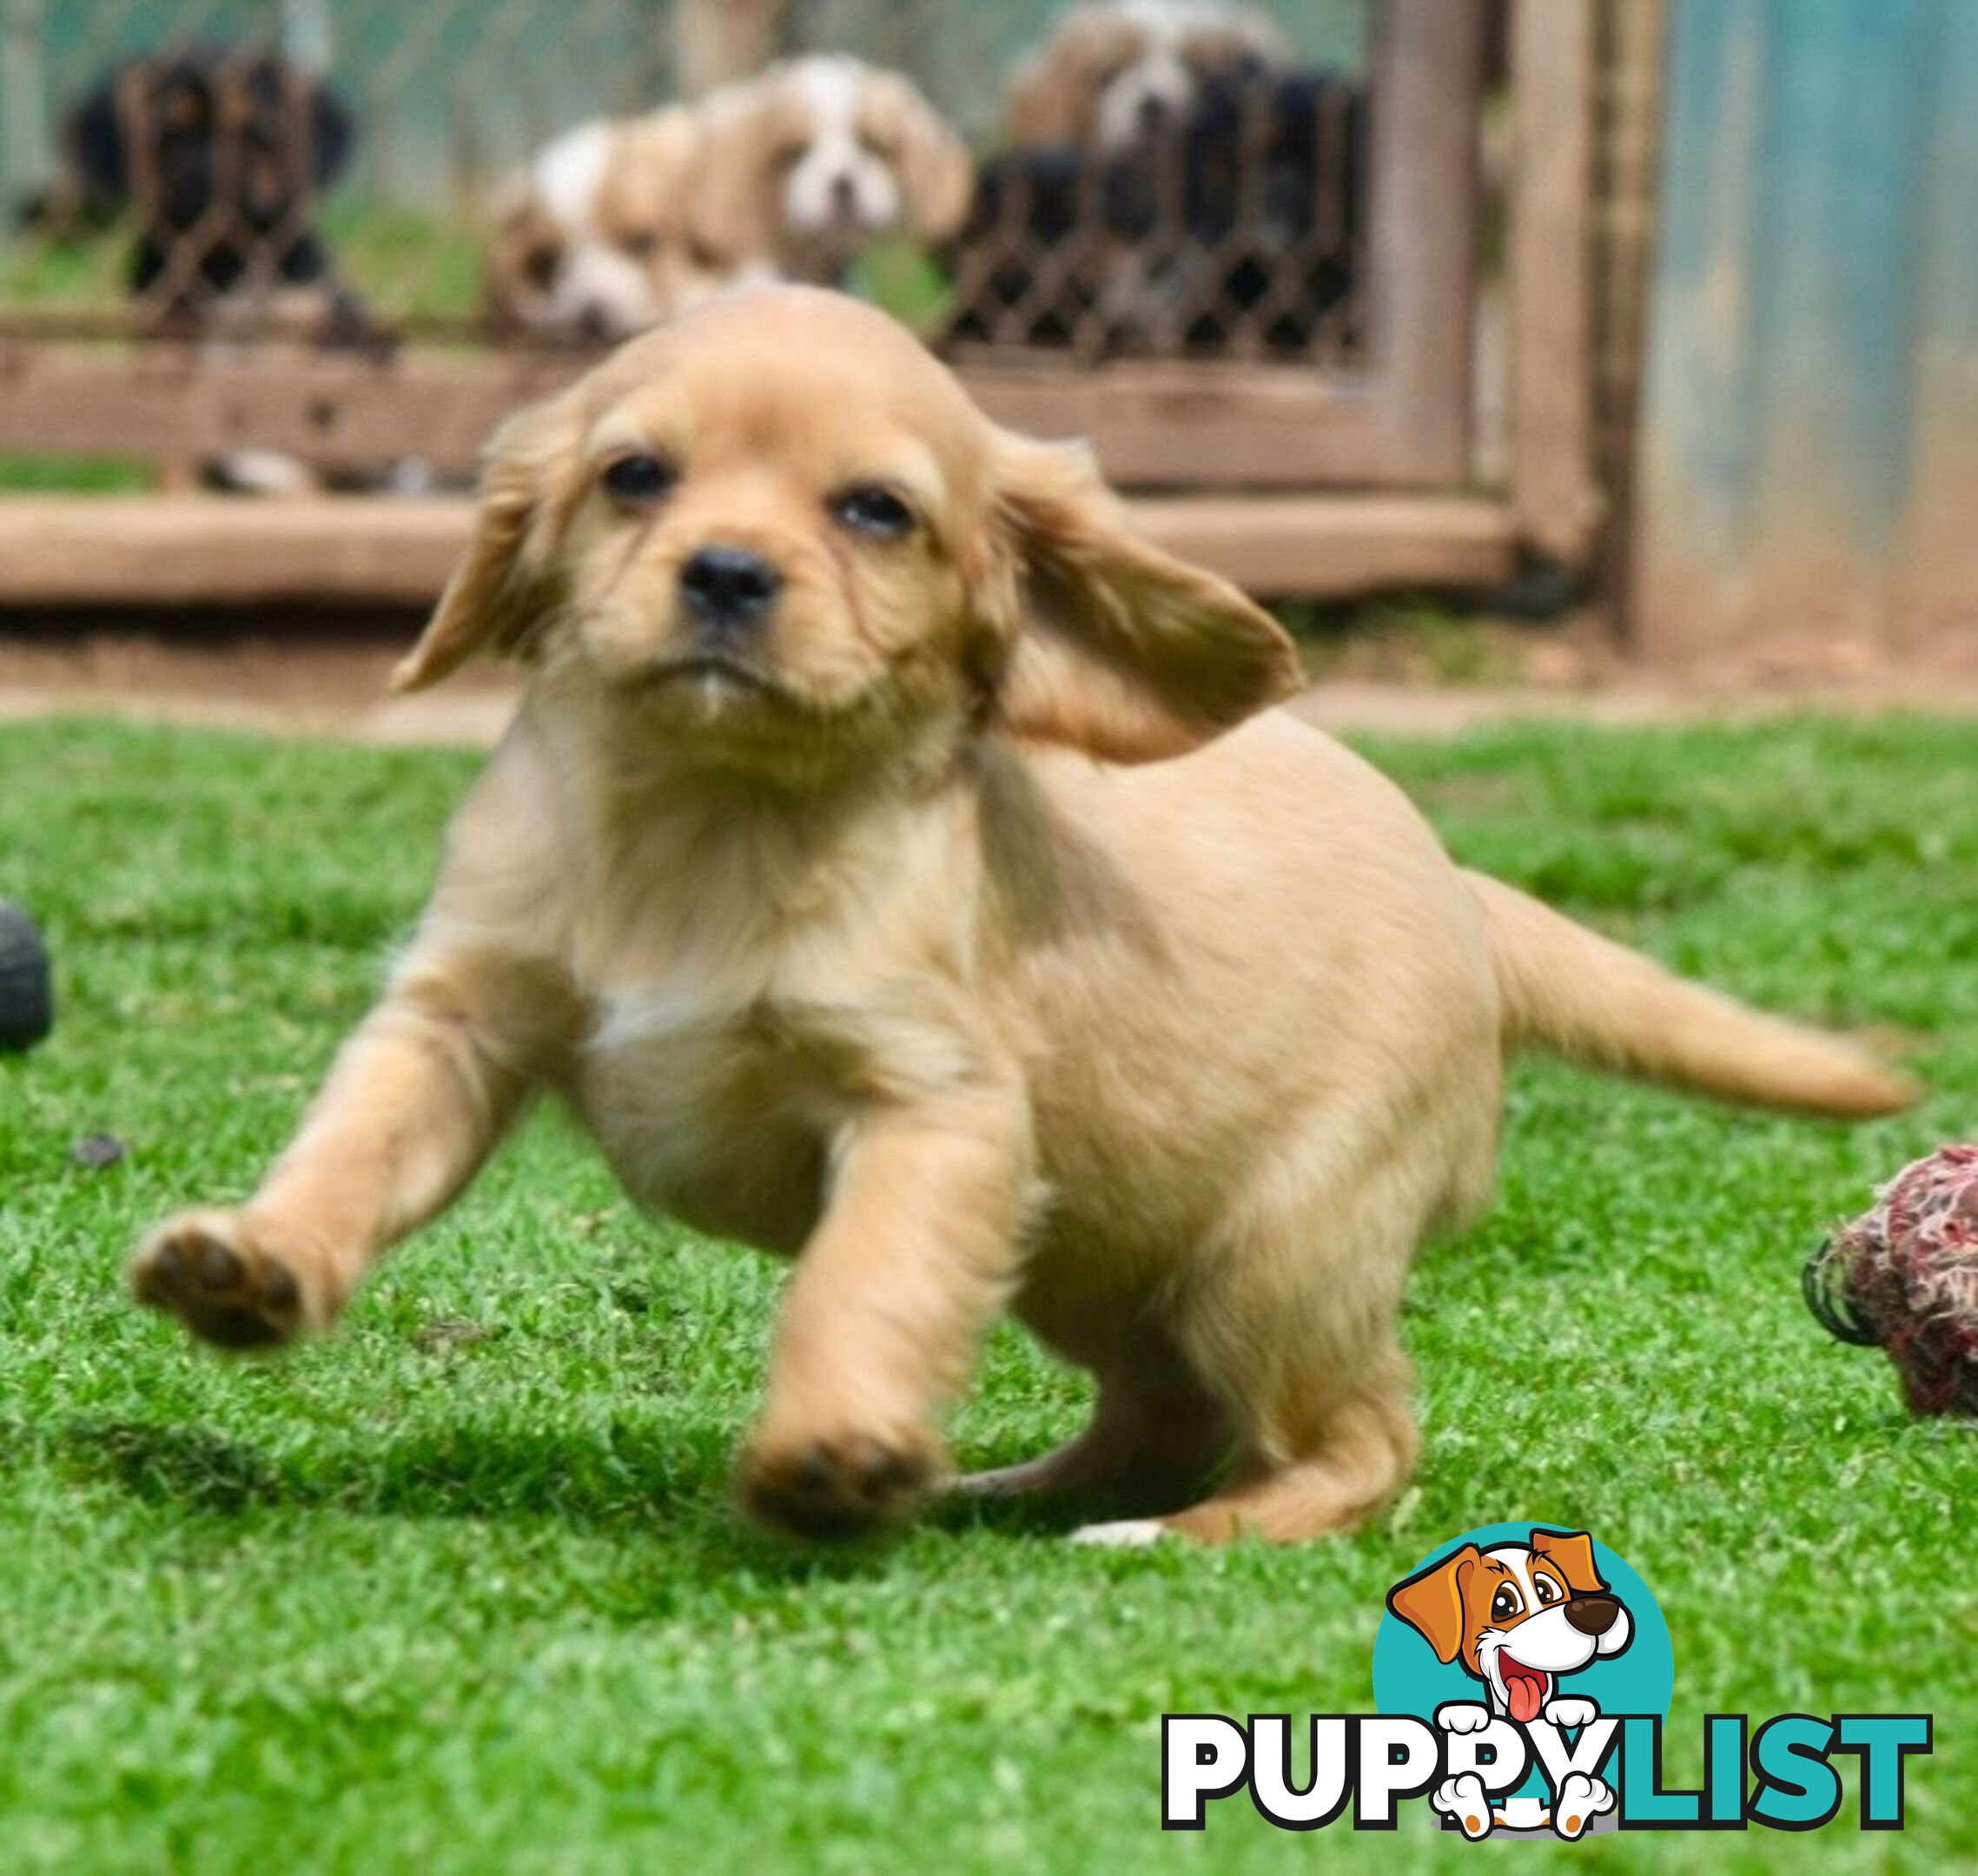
x=1810 y=421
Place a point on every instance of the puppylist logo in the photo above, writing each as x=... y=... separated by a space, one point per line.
x=1523 y=1677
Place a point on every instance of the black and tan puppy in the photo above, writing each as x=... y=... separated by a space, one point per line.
x=222 y=157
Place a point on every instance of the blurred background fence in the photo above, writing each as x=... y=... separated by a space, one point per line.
x=1431 y=422
x=451 y=95
x=1675 y=293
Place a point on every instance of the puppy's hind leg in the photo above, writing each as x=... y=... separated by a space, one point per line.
x=1155 y=1435
x=1354 y=1459
x=1291 y=1322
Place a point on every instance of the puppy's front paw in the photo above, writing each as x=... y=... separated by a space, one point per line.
x=1581 y=1800
x=1463 y=1800
x=1569 y=1712
x=1462 y=1716
x=839 y=1487
x=205 y=1268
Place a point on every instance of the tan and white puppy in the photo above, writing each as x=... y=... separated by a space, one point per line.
x=593 y=240
x=1117 y=72
x=896 y=863
x=815 y=159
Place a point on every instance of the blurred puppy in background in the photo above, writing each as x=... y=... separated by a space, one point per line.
x=222 y=154
x=1236 y=228
x=1273 y=175
x=809 y=163
x=1142 y=132
x=593 y=240
x=1117 y=72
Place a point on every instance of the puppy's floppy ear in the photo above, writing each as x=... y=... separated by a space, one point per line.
x=1573 y=1552
x=1431 y=1600
x=497 y=596
x=1099 y=639
x=1055 y=96
x=1044 y=102
x=730 y=216
x=937 y=175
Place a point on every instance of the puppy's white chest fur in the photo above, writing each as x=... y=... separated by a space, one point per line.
x=736 y=1025
x=720 y=1115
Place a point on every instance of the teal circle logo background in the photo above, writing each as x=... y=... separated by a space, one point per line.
x=1641 y=1679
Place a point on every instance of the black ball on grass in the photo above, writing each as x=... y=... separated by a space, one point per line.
x=27 y=987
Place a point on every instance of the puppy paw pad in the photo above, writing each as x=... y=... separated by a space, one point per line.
x=837 y=1488
x=229 y=1294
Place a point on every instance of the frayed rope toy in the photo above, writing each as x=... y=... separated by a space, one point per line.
x=1904 y=1276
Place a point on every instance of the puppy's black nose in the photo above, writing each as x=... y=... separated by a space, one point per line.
x=1592 y=1615
x=1153 y=115
x=727 y=585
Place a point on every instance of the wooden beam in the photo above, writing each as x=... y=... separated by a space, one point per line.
x=213 y=549
x=1428 y=76
x=1336 y=546
x=1554 y=491
x=1181 y=424
x=1632 y=37
x=356 y=551
x=336 y=412
x=1155 y=424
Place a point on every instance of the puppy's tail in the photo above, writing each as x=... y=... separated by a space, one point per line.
x=1568 y=989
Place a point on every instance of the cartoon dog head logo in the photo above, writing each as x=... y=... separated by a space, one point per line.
x=1517 y=1616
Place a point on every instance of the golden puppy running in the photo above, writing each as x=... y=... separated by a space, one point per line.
x=895 y=865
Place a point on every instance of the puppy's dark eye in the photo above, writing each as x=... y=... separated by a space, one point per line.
x=869 y=509
x=639 y=479
x=1505 y=1604
x=539 y=266
x=1548 y=1590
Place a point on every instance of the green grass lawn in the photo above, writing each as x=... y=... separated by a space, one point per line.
x=446 y=1598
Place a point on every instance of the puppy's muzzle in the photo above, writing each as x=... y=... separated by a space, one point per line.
x=1593 y=1615
x=728 y=589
